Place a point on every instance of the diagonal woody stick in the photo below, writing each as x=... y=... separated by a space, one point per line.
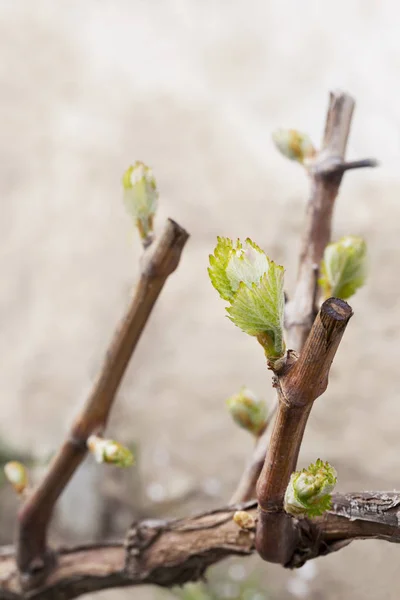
x=159 y=261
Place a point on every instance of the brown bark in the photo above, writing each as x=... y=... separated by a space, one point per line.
x=325 y=174
x=169 y=553
x=297 y=389
x=246 y=488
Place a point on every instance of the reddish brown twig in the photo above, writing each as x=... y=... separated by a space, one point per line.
x=297 y=389
x=325 y=174
x=246 y=488
x=158 y=262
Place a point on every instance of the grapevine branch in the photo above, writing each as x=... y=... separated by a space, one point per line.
x=169 y=553
x=158 y=262
x=305 y=380
x=325 y=174
x=246 y=488
x=316 y=338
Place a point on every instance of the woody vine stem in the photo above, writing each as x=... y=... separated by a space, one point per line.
x=296 y=516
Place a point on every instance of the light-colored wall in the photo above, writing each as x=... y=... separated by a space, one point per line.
x=193 y=88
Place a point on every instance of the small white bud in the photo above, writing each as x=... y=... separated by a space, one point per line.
x=109 y=451
x=141 y=197
x=294 y=145
x=17 y=475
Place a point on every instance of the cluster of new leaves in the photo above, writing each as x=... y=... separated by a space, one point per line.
x=252 y=284
x=309 y=491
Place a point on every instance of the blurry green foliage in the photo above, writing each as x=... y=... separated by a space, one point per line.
x=232 y=583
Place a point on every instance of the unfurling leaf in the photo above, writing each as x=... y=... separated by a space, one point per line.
x=248 y=411
x=293 y=144
x=17 y=475
x=110 y=451
x=309 y=490
x=344 y=267
x=141 y=197
x=253 y=285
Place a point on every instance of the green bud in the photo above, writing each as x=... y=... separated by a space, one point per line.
x=141 y=197
x=17 y=475
x=253 y=285
x=294 y=145
x=309 y=491
x=248 y=411
x=344 y=267
x=109 y=451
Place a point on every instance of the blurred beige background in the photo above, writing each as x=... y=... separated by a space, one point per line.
x=194 y=89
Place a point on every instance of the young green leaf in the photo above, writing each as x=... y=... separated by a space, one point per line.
x=344 y=267
x=141 y=197
x=219 y=262
x=258 y=310
x=248 y=411
x=293 y=144
x=309 y=491
x=253 y=285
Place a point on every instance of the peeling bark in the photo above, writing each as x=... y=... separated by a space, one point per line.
x=169 y=553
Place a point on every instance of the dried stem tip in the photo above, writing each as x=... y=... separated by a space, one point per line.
x=308 y=379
